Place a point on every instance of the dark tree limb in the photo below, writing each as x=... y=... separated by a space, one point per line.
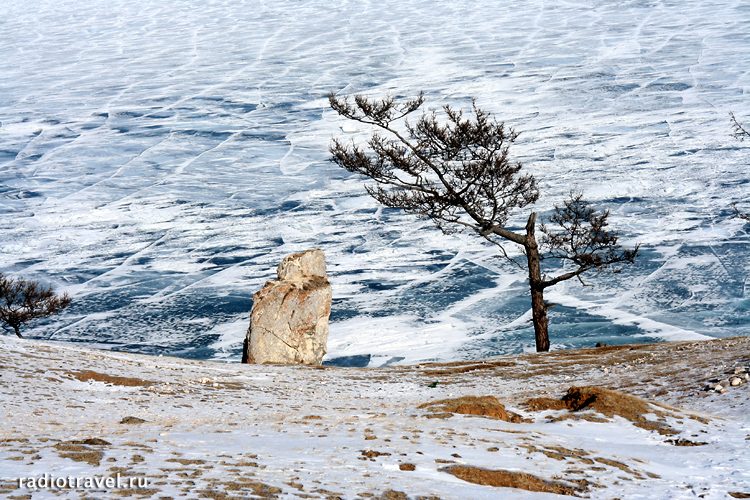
x=741 y=215
x=583 y=239
x=738 y=130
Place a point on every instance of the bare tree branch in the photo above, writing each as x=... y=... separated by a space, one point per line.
x=738 y=131
x=583 y=239
x=446 y=159
x=741 y=215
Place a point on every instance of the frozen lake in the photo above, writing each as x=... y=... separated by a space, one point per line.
x=159 y=160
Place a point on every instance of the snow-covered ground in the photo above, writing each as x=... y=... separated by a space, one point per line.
x=158 y=159
x=215 y=430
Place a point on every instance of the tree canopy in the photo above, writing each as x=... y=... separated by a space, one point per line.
x=24 y=300
x=458 y=173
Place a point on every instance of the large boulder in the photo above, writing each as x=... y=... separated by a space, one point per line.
x=289 y=319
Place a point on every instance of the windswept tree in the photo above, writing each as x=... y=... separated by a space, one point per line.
x=739 y=132
x=24 y=300
x=458 y=173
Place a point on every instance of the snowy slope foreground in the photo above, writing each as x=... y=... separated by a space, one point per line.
x=199 y=429
x=157 y=160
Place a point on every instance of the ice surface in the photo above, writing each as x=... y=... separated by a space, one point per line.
x=158 y=161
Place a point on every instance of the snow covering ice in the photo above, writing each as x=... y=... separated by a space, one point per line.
x=158 y=160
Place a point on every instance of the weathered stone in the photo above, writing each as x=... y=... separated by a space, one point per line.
x=311 y=263
x=736 y=381
x=289 y=318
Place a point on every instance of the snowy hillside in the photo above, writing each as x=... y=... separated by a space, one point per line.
x=198 y=429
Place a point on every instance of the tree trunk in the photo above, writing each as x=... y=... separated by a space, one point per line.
x=538 y=306
x=18 y=332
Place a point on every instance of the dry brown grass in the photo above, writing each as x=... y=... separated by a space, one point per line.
x=80 y=451
x=90 y=457
x=373 y=454
x=507 y=479
x=245 y=486
x=486 y=406
x=86 y=375
x=185 y=461
x=456 y=368
x=608 y=403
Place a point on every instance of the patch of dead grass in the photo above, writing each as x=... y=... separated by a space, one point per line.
x=185 y=461
x=559 y=453
x=685 y=442
x=80 y=451
x=618 y=465
x=394 y=495
x=90 y=457
x=486 y=406
x=86 y=375
x=234 y=386
x=140 y=492
x=607 y=402
x=507 y=479
x=455 y=369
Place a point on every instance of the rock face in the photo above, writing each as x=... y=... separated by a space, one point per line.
x=289 y=319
